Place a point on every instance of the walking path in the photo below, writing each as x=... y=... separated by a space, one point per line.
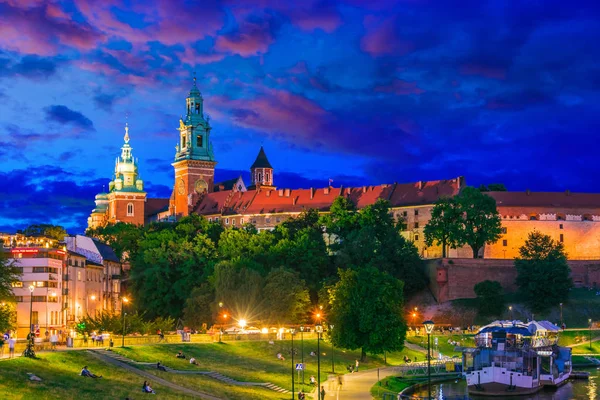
x=583 y=343
x=152 y=377
x=211 y=374
x=357 y=386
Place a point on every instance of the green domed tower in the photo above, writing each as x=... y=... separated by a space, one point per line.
x=194 y=158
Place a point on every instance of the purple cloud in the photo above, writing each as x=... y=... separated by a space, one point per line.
x=65 y=116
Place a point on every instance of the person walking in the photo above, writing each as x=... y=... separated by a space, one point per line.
x=356 y=366
x=322 y=392
x=11 y=347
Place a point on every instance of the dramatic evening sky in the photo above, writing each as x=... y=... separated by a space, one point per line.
x=362 y=92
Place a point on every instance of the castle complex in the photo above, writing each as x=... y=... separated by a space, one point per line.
x=570 y=218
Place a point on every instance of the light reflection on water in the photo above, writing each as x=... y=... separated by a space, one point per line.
x=574 y=389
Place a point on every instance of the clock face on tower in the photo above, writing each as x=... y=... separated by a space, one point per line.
x=201 y=186
x=181 y=187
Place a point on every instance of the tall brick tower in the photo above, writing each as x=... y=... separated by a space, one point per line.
x=194 y=159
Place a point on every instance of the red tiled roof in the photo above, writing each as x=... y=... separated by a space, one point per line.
x=297 y=200
x=531 y=202
x=154 y=206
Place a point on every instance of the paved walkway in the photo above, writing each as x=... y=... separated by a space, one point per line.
x=357 y=386
x=154 y=378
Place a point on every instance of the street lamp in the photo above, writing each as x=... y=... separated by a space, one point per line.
x=302 y=344
x=331 y=338
x=429 y=329
x=124 y=301
x=319 y=329
x=242 y=323
x=590 y=324
x=561 y=317
x=31 y=287
x=292 y=331
x=511 y=313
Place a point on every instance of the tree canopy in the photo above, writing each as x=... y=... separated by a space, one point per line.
x=543 y=274
x=444 y=227
x=490 y=299
x=8 y=275
x=366 y=310
x=480 y=219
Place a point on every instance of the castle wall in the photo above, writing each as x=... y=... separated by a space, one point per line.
x=451 y=279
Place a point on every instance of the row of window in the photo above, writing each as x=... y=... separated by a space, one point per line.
x=36 y=299
x=37 y=284
x=561 y=239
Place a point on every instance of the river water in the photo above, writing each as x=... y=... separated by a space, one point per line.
x=574 y=389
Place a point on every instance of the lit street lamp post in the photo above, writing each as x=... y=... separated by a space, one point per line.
x=331 y=338
x=31 y=288
x=511 y=313
x=292 y=331
x=590 y=324
x=124 y=301
x=561 y=317
x=319 y=329
x=429 y=329
x=302 y=341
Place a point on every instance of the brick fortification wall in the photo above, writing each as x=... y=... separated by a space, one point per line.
x=451 y=279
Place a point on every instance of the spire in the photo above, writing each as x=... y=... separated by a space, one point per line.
x=194 y=92
x=261 y=160
x=126 y=138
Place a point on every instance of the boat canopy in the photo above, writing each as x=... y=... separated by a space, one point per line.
x=542 y=327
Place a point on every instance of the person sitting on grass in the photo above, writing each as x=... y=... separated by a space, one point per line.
x=86 y=372
x=147 y=389
x=160 y=367
x=313 y=354
x=180 y=355
x=193 y=361
x=313 y=381
x=280 y=357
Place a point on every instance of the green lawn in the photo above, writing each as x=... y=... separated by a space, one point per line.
x=392 y=385
x=443 y=346
x=60 y=379
x=257 y=361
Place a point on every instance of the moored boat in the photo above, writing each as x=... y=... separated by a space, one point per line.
x=515 y=358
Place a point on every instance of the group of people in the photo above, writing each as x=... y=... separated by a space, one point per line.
x=353 y=368
x=12 y=341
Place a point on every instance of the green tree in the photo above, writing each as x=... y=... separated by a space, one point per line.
x=493 y=187
x=198 y=307
x=123 y=238
x=373 y=238
x=8 y=275
x=286 y=297
x=301 y=247
x=367 y=311
x=480 y=222
x=444 y=226
x=238 y=285
x=55 y=232
x=490 y=300
x=543 y=274
x=167 y=266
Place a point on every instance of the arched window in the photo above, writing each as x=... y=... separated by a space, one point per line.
x=259 y=180
x=130 y=210
x=267 y=177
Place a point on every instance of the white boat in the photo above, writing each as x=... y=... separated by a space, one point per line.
x=515 y=358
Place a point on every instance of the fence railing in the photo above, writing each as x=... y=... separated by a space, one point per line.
x=131 y=340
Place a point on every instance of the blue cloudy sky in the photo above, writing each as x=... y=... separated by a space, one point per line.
x=362 y=92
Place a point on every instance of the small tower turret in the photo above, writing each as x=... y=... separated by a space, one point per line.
x=261 y=172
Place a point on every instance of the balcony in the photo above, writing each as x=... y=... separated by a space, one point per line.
x=52 y=277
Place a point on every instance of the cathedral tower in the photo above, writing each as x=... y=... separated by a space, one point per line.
x=261 y=172
x=194 y=159
x=126 y=197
